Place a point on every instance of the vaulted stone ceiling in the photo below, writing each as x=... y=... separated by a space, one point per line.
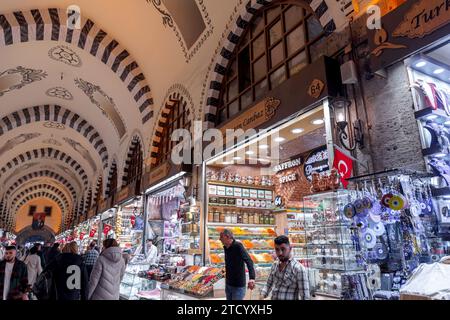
x=73 y=100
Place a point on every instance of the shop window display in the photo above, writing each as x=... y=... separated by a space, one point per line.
x=249 y=187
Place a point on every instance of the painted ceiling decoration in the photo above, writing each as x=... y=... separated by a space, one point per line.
x=60 y=117
x=52 y=141
x=59 y=92
x=19 y=77
x=65 y=55
x=190 y=22
x=105 y=103
x=47 y=153
x=69 y=172
x=51 y=25
x=10 y=144
x=82 y=151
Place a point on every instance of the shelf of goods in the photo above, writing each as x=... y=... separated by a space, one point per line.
x=196 y=281
x=321 y=240
x=258 y=241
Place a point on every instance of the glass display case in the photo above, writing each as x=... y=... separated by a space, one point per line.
x=133 y=285
x=330 y=248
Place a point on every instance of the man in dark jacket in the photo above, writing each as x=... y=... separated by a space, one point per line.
x=53 y=253
x=13 y=276
x=236 y=257
x=69 y=275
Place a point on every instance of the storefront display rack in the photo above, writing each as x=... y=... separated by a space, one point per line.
x=329 y=248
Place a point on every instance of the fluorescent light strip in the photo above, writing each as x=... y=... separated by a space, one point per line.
x=167 y=181
x=266 y=134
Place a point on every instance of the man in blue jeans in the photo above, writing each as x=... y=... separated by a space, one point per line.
x=236 y=257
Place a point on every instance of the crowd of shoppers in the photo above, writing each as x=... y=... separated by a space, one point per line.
x=94 y=275
x=64 y=273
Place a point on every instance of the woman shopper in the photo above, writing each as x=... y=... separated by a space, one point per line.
x=69 y=274
x=108 y=271
x=34 y=267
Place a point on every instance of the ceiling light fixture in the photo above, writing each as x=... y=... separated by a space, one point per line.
x=279 y=139
x=297 y=130
x=432 y=117
x=421 y=64
x=318 y=122
x=264 y=146
x=250 y=153
x=237 y=158
x=439 y=71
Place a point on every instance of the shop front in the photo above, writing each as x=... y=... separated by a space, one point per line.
x=414 y=225
x=171 y=221
x=277 y=179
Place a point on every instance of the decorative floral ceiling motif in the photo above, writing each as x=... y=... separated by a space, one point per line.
x=189 y=50
x=17 y=78
x=59 y=92
x=65 y=55
x=82 y=151
x=54 y=125
x=104 y=102
x=52 y=142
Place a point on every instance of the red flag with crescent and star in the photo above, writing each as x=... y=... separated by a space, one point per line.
x=344 y=165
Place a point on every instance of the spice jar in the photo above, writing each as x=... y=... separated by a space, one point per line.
x=211 y=215
x=245 y=218
x=234 y=218
x=239 y=218
x=272 y=219
x=261 y=218
x=222 y=217
x=228 y=217
x=216 y=216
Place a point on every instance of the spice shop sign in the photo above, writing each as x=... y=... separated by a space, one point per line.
x=317 y=161
x=288 y=165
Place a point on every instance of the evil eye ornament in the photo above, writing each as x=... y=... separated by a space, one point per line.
x=378 y=228
x=367 y=203
x=359 y=206
x=381 y=251
x=349 y=211
x=397 y=203
x=385 y=200
x=370 y=239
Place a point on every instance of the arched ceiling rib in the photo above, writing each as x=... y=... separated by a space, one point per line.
x=46 y=153
x=42 y=187
x=55 y=114
x=62 y=203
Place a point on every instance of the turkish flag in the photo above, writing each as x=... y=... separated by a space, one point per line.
x=82 y=234
x=344 y=165
x=92 y=233
x=107 y=228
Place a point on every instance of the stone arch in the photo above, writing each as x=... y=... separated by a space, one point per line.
x=42 y=194
x=171 y=101
x=112 y=171
x=136 y=142
x=40 y=187
x=235 y=31
x=56 y=113
x=51 y=25
x=46 y=153
x=40 y=174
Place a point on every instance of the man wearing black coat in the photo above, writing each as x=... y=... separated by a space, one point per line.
x=13 y=276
